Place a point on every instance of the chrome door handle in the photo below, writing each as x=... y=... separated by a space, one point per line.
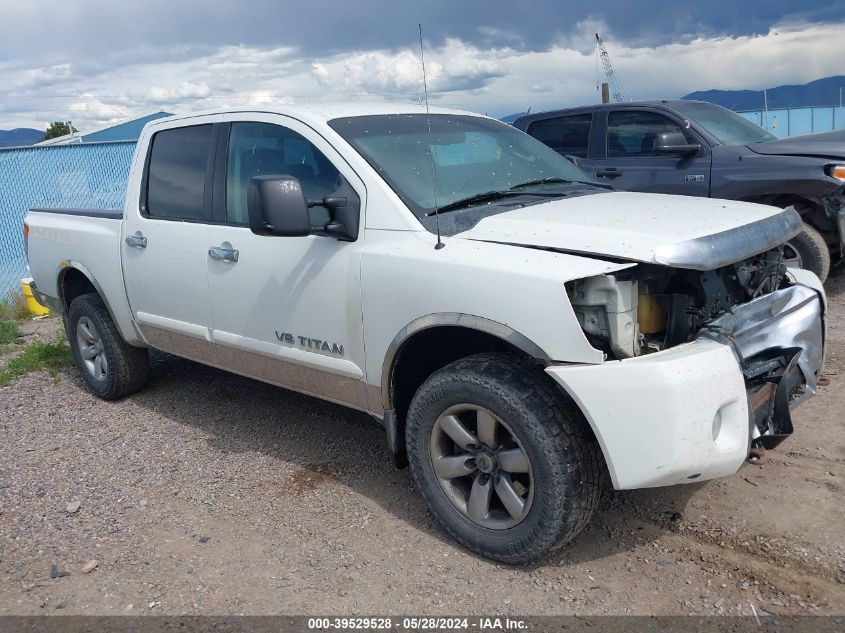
x=137 y=240
x=223 y=254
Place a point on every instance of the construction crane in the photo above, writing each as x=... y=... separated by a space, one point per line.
x=613 y=81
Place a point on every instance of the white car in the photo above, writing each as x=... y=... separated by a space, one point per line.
x=524 y=334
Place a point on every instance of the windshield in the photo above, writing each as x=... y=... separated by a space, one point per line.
x=727 y=127
x=472 y=156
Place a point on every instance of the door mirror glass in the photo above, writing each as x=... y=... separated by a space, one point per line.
x=674 y=144
x=277 y=206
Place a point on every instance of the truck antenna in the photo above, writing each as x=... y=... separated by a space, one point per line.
x=440 y=243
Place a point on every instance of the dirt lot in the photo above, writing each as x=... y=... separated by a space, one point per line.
x=212 y=494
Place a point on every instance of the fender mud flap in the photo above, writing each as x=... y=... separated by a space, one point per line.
x=778 y=340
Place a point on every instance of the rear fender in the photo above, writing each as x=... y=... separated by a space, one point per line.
x=121 y=317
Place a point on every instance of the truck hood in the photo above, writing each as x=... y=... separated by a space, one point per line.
x=822 y=145
x=677 y=231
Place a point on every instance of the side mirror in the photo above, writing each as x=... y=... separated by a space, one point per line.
x=344 y=208
x=277 y=206
x=674 y=144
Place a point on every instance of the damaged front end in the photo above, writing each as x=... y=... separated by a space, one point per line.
x=772 y=323
x=778 y=340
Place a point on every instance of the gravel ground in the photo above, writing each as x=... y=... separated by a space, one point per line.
x=208 y=493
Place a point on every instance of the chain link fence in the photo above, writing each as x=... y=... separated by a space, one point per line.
x=84 y=176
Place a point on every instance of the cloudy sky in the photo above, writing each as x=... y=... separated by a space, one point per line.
x=97 y=62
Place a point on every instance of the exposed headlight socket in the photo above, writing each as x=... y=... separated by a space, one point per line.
x=836 y=171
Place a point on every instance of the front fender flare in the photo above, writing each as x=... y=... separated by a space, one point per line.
x=453 y=319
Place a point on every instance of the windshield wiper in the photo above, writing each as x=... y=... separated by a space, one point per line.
x=539 y=181
x=490 y=196
x=554 y=180
x=486 y=196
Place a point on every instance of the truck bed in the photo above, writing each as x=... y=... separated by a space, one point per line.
x=88 y=238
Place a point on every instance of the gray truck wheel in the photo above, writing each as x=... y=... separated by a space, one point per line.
x=509 y=468
x=808 y=250
x=110 y=366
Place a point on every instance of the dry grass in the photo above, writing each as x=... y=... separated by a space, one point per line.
x=13 y=307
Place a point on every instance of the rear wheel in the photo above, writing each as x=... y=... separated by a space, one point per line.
x=808 y=250
x=110 y=366
x=504 y=462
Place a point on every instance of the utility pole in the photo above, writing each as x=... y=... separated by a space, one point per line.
x=766 y=107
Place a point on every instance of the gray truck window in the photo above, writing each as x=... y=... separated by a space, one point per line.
x=632 y=133
x=567 y=135
x=263 y=149
x=176 y=173
x=727 y=127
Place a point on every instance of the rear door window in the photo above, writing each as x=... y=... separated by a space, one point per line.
x=567 y=135
x=176 y=175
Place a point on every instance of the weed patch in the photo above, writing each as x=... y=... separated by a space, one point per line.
x=36 y=357
x=9 y=332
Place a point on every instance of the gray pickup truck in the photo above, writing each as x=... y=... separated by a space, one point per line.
x=701 y=149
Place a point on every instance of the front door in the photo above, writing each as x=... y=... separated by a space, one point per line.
x=631 y=164
x=286 y=310
x=164 y=243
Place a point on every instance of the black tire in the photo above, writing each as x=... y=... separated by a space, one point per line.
x=566 y=465
x=813 y=251
x=127 y=367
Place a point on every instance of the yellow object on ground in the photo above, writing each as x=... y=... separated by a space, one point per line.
x=34 y=308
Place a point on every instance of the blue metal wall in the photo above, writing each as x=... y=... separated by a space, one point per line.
x=129 y=131
x=795 y=121
x=89 y=176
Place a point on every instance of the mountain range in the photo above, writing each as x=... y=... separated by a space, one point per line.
x=20 y=136
x=827 y=91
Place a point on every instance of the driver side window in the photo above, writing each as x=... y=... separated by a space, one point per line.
x=632 y=132
x=263 y=149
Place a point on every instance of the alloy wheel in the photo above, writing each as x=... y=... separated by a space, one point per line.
x=481 y=466
x=791 y=257
x=91 y=349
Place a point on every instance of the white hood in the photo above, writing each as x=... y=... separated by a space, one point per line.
x=682 y=231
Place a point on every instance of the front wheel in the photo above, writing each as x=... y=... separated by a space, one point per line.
x=110 y=366
x=808 y=250
x=509 y=468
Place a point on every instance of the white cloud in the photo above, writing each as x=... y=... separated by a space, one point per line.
x=452 y=67
x=496 y=79
x=184 y=90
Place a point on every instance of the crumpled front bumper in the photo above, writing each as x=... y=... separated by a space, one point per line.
x=693 y=412
x=778 y=341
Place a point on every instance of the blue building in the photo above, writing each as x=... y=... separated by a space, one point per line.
x=126 y=131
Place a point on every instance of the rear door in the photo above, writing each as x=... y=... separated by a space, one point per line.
x=569 y=135
x=628 y=160
x=165 y=243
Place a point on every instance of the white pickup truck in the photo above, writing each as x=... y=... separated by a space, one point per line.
x=522 y=332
